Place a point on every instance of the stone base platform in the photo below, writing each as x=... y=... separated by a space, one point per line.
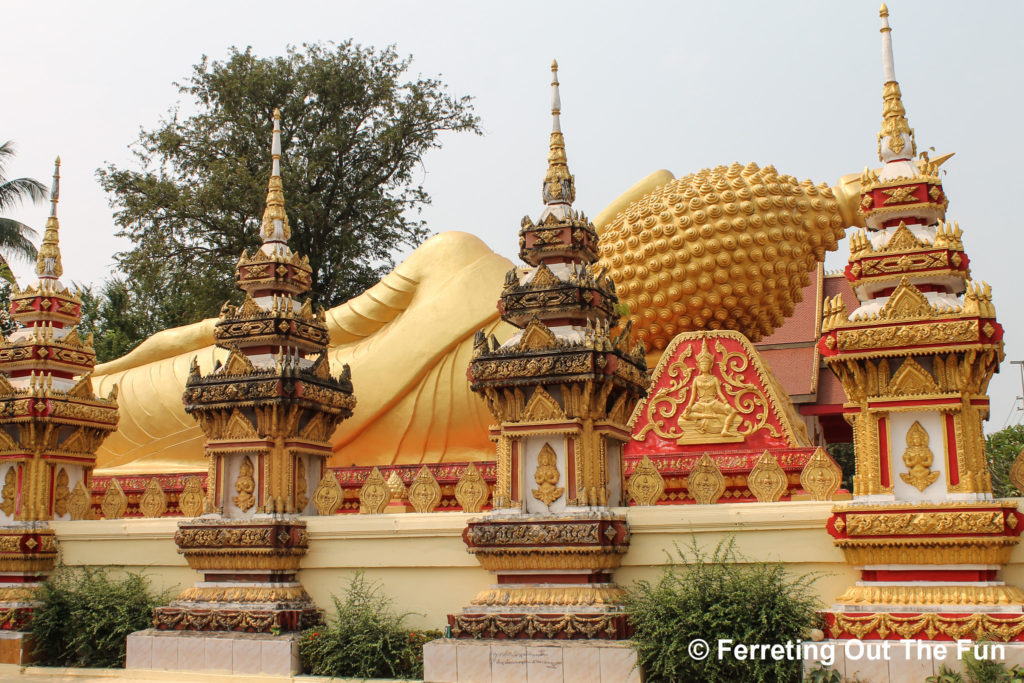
x=453 y=660
x=214 y=651
x=15 y=647
x=869 y=661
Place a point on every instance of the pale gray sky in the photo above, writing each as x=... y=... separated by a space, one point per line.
x=676 y=85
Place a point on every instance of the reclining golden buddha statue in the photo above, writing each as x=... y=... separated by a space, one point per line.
x=725 y=248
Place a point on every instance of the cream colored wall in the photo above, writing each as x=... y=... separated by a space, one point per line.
x=422 y=562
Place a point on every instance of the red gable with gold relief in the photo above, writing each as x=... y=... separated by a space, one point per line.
x=712 y=392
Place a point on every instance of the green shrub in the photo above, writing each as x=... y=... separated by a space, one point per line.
x=86 y=616
x=365 y=638
x=823 y=674
x=714 y=597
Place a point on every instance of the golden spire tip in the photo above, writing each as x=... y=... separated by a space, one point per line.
x=884 y=11
x=277 y=113
x=57 y=161
x=554 y=65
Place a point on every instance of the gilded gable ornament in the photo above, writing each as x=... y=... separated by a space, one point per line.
x=767 y=481
x=424 y=491
x=245 y=485
x=547 y=476
x=397 y=486
x=375 y=495
x=80 y=502
x=114 y=503
x=706 y=483
x=542 y=406
x=192 y=499
x=61 y=491
x=154 y=501
x=10 y=489
x=646 y=485
x=471 y=491
x=328 y=495
x=918 y=458
x=821 y=476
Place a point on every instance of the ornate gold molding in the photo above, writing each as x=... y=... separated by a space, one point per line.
x=646 y=485
x=375 y=494
x=328 y=495
x=471 y=491
x=114 y=503
x=821 y=476
x=706 y=483
x=424 y=491
x=767 y=480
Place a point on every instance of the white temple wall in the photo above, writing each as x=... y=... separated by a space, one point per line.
x=422 y=563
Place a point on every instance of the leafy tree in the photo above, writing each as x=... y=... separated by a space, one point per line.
x=113 y=317
x=14 y=235
x=1001 y=449
x=354 y=129
x=843 y=454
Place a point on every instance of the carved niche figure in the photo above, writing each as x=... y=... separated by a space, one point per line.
x=547 y=477
x=918 y=458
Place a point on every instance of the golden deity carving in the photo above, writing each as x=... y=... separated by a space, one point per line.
x=471 y=491
x=706 y=483
x=115 y=502
x=821 y=476
x=80 y=502
x=918 y=458
x=424 y=491
x=547 y=476
x=767 y=481
x=154 y=501
x=9 y=490
x=328 y=495
x=245 y=485
x=192 y=499
x=375 y=495
x=646 y=484
x=61 y=491
x=708 y=413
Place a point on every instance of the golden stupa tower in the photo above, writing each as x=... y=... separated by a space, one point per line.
x=268 y=413
x=915 y=359
x=51 y=423
x=561 y=390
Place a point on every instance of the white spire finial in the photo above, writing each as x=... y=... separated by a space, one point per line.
x=896 y=139
x=888 y=68
x=556 y=100
x=274 y=228
x=275 y=149
x=55 y=188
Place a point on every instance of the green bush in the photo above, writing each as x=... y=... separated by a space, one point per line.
x=365 y=638
x=86 y=616
x=716 y=597
x=1001 y=449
